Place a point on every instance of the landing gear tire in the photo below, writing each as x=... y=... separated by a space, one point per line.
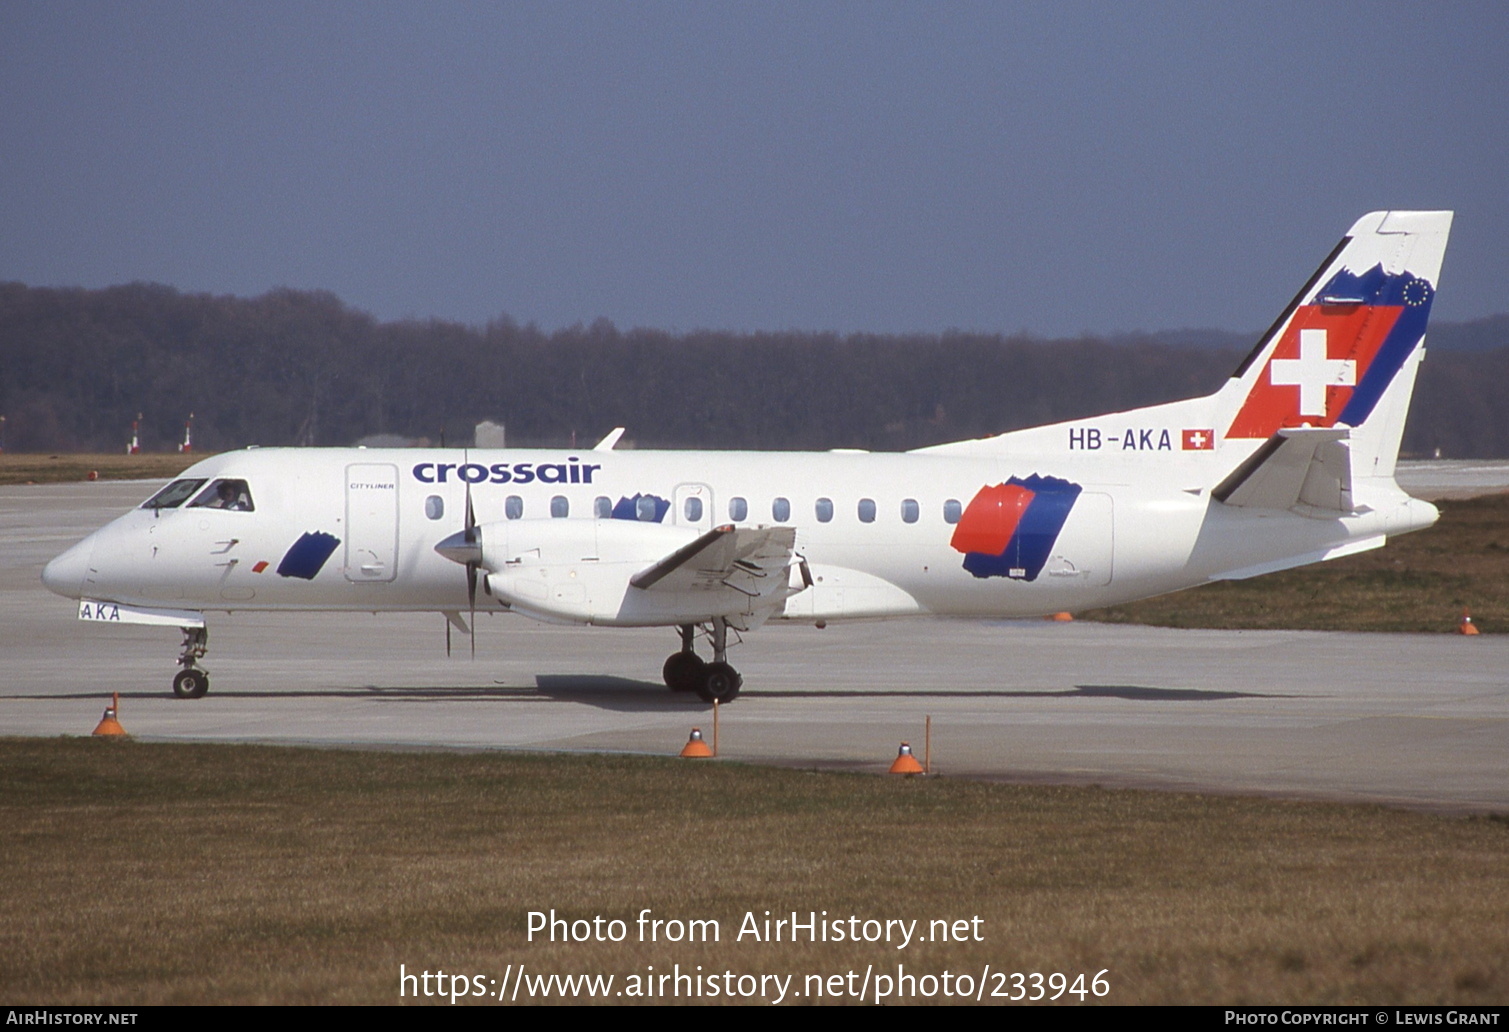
x=720 y=682
x=191 y=684
x=683 y=671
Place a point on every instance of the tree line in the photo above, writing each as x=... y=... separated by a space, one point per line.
x=300 y=367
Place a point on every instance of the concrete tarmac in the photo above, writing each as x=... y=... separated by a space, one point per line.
x=1433 y=479
x=1413 y=720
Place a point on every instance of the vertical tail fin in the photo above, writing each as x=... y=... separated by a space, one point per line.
x=1346 y=350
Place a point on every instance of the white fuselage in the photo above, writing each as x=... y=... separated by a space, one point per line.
x=1135 y=529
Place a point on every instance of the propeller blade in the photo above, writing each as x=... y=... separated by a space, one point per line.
x=471 y=569
x=471 y=603
x=465 y=547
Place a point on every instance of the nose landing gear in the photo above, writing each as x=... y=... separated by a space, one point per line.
x=192 y=681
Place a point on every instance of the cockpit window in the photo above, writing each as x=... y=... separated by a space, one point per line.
x=172 y=496
x=224 y=494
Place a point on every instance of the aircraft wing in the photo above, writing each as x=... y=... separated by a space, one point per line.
x=751 y=560
x=1304 y=466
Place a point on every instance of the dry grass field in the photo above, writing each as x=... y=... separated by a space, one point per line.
x=16 y=468
x=140 y=873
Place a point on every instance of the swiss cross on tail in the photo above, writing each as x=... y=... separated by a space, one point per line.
x=1338 y=353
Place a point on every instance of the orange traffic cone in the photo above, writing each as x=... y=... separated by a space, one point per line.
x=108 y=725
x=906 y=763
x=1062 y=617
x=695 y=747
x=1465 y=625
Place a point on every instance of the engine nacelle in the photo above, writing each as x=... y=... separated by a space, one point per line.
x=553 y=542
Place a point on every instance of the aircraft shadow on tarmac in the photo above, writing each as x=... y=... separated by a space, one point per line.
x=1135 y=693
x=625 y=694
x=1138 y=693
x=611 y=693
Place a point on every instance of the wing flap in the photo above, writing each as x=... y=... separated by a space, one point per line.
x=750 y=560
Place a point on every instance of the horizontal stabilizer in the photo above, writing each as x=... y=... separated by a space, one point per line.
x=751 y=560
x=1295 y=467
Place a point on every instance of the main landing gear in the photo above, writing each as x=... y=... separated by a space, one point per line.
x=685 y=671
x=192 y=681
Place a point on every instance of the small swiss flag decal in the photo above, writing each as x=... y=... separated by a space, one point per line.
x=1199 y=440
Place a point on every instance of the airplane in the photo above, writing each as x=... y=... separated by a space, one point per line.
x=1290 y=462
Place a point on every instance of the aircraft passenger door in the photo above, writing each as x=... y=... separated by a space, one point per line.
x=371 y=522
x=692 y=506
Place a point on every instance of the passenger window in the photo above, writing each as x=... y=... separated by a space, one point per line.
x=602 y=507
x=434 y=507
x=824 y=510
x=867 y=510
x=910 y=510
x=780 y=510
x=952 y=510
x=172 y=496
x=225 y=494
x=738 y=509
x=693 y=510
x=513 y=507
x=559 y=507
x=644 y=509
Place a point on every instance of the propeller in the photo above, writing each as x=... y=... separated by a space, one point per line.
x=465 y=547
x=470 y=534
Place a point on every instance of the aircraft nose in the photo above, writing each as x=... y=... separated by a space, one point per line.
x=65 y=574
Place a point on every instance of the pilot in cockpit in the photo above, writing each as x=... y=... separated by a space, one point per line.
x=229 y=497
x=232 y=495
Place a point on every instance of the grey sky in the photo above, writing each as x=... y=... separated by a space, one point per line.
x=885 y=167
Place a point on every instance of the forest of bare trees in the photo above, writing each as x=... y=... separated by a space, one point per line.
x=296 y=367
